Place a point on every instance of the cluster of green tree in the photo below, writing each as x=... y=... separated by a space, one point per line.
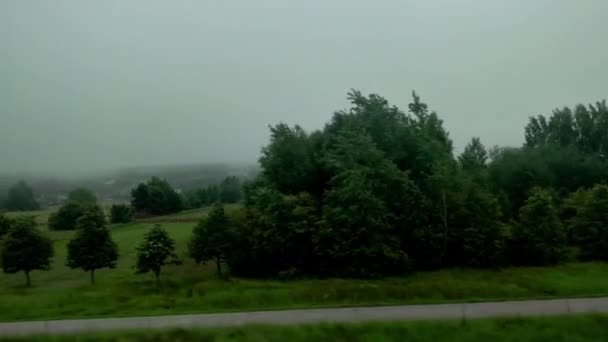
x=228 y=191
x=155 y=197
x=20 y=197
x=24 y=248
x=379 y=191
x=81 y=202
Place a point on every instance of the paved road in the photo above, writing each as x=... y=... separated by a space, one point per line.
x=383 y=313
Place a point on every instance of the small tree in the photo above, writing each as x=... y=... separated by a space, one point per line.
x=121 y=213
x=211 y=238
x=155 y=251
x=24 y=248
x=82 y=196
x=92 y=248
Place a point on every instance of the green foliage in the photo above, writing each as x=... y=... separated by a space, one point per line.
x=475 y=156
x=82 y=196
x=539 y=237
x=20 y=197
x=24 y=248
x=516 y=171
x=211 y=238
x=156 y=197
x=5 y=224
x=367 y=213
x=121 y=213
x=156 y=251
x=584 y=128
x=274 y=235
x=92 y=247
x=288 y=159
x=347 y=198
x=484 y=239
x=230 y=190
x=589 y=226
x=67 y=216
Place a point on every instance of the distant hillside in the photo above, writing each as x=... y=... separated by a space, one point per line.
x=116 y=186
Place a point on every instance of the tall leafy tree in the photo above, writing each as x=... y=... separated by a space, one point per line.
x=370 y=207
x=483 y=237
x=25 y=249
x=474 y=157
x=20 y=197
x=92 y=247
x=590 y=225
x=156 y=250
x=211 y=238
x=288 y=159
x=539 y=238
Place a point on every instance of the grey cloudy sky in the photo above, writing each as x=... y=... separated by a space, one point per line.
x=103 y=84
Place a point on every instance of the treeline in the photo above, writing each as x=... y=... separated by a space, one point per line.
x=157 y=197
x=379 y=191
x=228 y=191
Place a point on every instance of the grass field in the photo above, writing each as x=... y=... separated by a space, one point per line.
x=192 y=215
x=40 y=216
x=554 y=329
x=65 y=293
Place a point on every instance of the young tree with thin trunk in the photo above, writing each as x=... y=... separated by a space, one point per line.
x=211 y=238
x=25 y=248
x=92 y=248
x=157 y=250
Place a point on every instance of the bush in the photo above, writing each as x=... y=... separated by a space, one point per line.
x=121 y=213
x=67 y=216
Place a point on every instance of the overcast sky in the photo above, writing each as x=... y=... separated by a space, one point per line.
x=86 y=85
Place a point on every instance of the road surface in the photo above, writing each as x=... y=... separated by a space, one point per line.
x=286 y=317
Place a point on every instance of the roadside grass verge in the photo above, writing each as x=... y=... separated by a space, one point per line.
x=555 y=329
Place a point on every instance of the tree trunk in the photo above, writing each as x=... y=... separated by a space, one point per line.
x=92 y=277
x=27 y=278
x=157 y=275
x=218 y=263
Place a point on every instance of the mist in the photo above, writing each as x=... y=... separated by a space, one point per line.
x=97 y=85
